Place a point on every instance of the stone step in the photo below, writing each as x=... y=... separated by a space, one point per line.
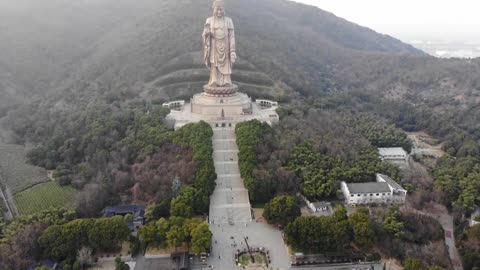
x=226 y=162
x=229 y=203
x=230 y=215
x=226 y=129
x=228 y=175
x=229 y=182
x=225 y=156
x=225 y=145
x=242 y=215
x=224 y=140
x=226 y=151
x=236 y=189
x=230 y=206
x=237 y=196
x=223 y=135
x=227 y=168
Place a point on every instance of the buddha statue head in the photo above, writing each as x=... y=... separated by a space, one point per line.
x=219 y=8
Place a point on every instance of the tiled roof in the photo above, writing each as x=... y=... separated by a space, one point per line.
x=371 y=187
x=392 y=151
x=390 y=181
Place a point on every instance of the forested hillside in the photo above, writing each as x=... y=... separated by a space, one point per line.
x=90 y=45
x=69 y=55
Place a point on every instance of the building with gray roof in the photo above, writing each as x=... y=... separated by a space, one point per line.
x=384 y=190
x=393 y=153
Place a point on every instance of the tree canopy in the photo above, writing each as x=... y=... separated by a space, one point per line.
x=177 y=231
x=321 y=234
x=282 y=210
x=63 y=241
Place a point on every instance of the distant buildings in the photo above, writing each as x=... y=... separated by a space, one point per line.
x=393 y=153
x=384 y=190
x=137 y=212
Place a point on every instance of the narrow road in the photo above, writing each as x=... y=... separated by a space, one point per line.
x=7 y=215
x=11 y=201
x=7 y=197
x=419 y=174
x=446 y=220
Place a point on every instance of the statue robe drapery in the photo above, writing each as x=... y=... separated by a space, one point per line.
x=219 y=44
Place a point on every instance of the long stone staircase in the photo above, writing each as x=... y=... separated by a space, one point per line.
x=229 y=203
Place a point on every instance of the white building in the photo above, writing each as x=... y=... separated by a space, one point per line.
x=393 y=153
x=475 y=214
x=174 y=104
x=267 y=103
x=385 y=190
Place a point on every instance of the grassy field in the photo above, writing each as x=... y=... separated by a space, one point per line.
x=16 y=173
x=44 y=196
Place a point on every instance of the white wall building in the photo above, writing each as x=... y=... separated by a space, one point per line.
x=267 y=103
x=475 y=214
x=385 y=190
x=393 y=153
x=174 y=104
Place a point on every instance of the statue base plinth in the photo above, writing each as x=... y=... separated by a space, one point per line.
x=234 y=104
x=220 y=91
x=220 y=110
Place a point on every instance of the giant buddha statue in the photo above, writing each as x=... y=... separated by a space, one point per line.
x=219 y=51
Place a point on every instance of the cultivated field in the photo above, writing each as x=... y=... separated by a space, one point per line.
x=16 y=173
x=44 y=196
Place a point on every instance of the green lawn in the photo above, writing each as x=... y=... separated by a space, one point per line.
x=244 y=260
x=44 y=196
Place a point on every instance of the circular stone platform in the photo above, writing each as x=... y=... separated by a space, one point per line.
x=218 y=91
x=232 y=105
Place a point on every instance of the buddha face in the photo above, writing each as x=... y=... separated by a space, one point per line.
x=219 y=12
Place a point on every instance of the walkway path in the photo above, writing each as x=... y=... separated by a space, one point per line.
x=230 y=211
x=8 y=214
x=7 y=196
x=229 y=203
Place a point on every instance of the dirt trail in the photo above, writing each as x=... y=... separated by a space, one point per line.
x=11 y=202
x=425 y=144
x=7 y=215
x=6 y=196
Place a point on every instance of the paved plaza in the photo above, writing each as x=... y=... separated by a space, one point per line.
x=230 y=211
x=228 y=238
x=184 y=115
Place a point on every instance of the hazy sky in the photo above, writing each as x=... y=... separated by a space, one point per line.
x=411 y=19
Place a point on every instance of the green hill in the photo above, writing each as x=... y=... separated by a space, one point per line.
x=90 y=48
x=76 y=54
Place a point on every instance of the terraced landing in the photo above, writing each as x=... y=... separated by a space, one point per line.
x=229 y=203
x=185 y=75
